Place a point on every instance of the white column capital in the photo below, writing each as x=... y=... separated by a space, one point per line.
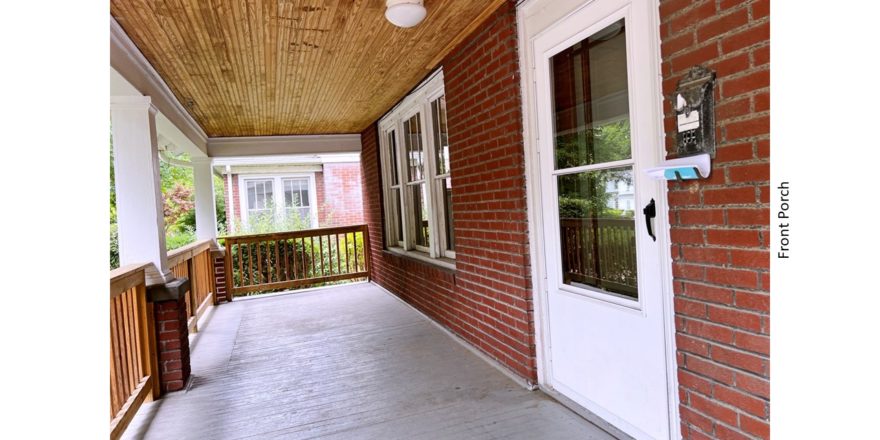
x=201 y=160
x=121 y=102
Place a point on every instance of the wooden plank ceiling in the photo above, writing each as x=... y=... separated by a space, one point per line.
x=285 y=67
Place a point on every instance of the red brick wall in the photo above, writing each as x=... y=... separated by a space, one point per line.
x=232 y=209
x=340 y=201
x=172 y=339
x=487 y=300
x=719 y=226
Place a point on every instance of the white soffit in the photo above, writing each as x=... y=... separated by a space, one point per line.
x=284 y=145
x=286 y=159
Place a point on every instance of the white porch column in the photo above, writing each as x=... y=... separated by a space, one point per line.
x=206 y=211
x=139 y=210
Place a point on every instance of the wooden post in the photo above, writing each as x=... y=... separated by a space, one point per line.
x=366 y=231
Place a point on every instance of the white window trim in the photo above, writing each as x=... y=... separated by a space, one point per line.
x=418 y=101
x=278 y=193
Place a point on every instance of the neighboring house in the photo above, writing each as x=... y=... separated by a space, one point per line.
x=321 y=190
x=622 y=195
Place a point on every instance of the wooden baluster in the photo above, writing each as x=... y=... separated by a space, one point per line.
x=116 y=398
x=129 y=351
x=293 y=254
x=321 y=251
x=284 y=258
x=277 y=265
x=136 y=340
x=338 y=255
x=357 y=267
x=120 y=338
x=230 y=275
x=260 y=278
x=347 y=265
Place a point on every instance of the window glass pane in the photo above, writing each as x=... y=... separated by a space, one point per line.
x=392 y=143
x=296 y=192
x=259 y=194
x=420 y=214
x=398 y=215
x=251 y=196
x=447 y=207
x=288 y=194
x=590 y=99
x=268 y=201
x=412 y=130
x=597 y=240
x=441 y=134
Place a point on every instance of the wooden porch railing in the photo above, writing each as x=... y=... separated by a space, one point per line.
x=133 y=363
x=600 y=252
x=194 y=262
x=285 y=260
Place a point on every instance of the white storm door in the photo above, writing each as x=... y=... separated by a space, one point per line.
x=597 y=122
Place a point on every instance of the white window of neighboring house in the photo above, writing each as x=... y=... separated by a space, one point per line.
x=296 y=198
x=279 y=196
x=416 y=173
x=260 y=200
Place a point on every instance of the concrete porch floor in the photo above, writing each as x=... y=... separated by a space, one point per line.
x=349 y=362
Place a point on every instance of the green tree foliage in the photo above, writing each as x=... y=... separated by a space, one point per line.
x=584 y=194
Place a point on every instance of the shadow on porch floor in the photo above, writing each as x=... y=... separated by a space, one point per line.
x=345 y=362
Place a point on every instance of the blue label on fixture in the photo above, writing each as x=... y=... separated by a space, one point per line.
x=685 y=172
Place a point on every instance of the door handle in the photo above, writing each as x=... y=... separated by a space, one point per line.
x=650 y=212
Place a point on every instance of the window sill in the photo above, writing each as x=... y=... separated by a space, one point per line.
x=442 y=262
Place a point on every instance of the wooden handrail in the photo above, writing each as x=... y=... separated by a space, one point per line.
x=123 y=278
x=283 y=260
x=133 y=363
x=188 y=251
x=194 y=262
x=293 y=234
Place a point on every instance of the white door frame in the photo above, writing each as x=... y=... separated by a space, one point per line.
x=534 y=17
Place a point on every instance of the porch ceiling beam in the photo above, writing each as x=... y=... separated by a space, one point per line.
x=275 y=145
x=130 y=63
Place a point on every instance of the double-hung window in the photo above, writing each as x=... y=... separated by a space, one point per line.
x=282 y=200
x=416 y=177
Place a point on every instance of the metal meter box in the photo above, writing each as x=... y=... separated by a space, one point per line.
x=694 y=104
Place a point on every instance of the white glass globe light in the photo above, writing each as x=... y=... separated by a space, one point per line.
x=405 y=13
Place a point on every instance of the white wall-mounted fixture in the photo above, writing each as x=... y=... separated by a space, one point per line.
x=405 y=13
x=684 y=168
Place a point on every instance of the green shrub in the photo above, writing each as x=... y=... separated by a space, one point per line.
x=114 y=246
x=179 y=237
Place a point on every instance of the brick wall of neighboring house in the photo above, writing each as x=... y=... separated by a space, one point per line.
x=343 y=201
x=487 y=299
x=719 y=226
x=232 y=209
x=322 y=198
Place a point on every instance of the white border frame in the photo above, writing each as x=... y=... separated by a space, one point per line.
x=554 y=11
x=278 y=192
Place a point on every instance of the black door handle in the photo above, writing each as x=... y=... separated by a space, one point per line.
x=650 y=212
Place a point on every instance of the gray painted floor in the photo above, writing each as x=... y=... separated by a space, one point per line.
x=350 y=362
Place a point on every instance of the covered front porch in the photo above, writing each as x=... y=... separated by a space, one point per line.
x=349 y=361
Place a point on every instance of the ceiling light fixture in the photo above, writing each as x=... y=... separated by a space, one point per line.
x=405 y=13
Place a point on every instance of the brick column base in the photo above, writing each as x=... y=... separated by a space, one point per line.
x=172 y=334
x=220 y=277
